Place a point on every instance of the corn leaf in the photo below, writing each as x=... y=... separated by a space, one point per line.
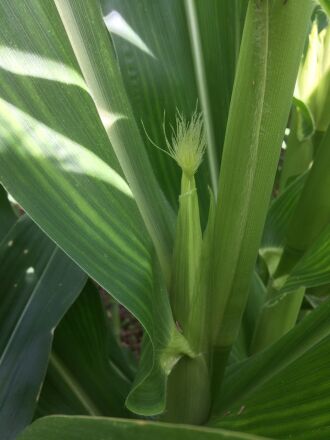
x=305 y=227
x=7 y=216
x=277 y=222
x=258 y=116
x=313 y=269
x=215 y=27
x=163 y=79
x=98 y=64
x=279 y=215
x=326 y=5
x=292 y=404
x=257 y=295
x=82 y=428
x=298 y=154
x=243 y=379
x=305 y=120
x=305 y=258
x=51 y=131
x=87 y=372
x=38 y=285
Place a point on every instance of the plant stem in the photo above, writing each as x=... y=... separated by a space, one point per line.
x=188 y=392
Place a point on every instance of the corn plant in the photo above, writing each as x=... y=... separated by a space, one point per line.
x=176 y=155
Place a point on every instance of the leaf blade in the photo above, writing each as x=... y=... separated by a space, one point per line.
x=97 y=61
x=40 y=283
x=242 y=379
x=87 y=373
x=83 y=428
x=294 y=403
x=51 y=131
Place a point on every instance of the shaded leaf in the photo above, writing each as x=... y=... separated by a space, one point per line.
x=256 y=298
x=82 y=428
x=305 y=120
x=313 y=269
x=7 y=216
x=243 y=379
x=293 y=404
x=39 y=283
x=278 y=219
x=87 y=372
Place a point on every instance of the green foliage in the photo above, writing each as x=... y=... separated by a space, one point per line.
x=72 y=428
x=35 y=275
x=96 y=100
x=87 y=372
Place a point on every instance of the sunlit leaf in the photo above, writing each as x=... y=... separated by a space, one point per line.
x=51 y=131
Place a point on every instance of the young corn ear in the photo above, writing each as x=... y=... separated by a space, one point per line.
x=187 y=147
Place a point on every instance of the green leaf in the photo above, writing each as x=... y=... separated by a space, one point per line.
x=304 y=261
x=305 y=227
x=319 y=94
x=252 y=145
x=7 y=216
x=305 y=120
x=86 y=428
x=39 y=283
x=155 y=84
x=326 y=5
x=200 y=73
x=166 y=82
x=293 y=404
x=279 y=215
x=98 y=63
x=277 y=222
x=299 y=144
x=299 y=151
x=161 y=350
x=215 y=27
x=87 y=372
x=313 y=269
x=256 y=298
x=75 y=191
x=51 y=131
x=243 y=379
